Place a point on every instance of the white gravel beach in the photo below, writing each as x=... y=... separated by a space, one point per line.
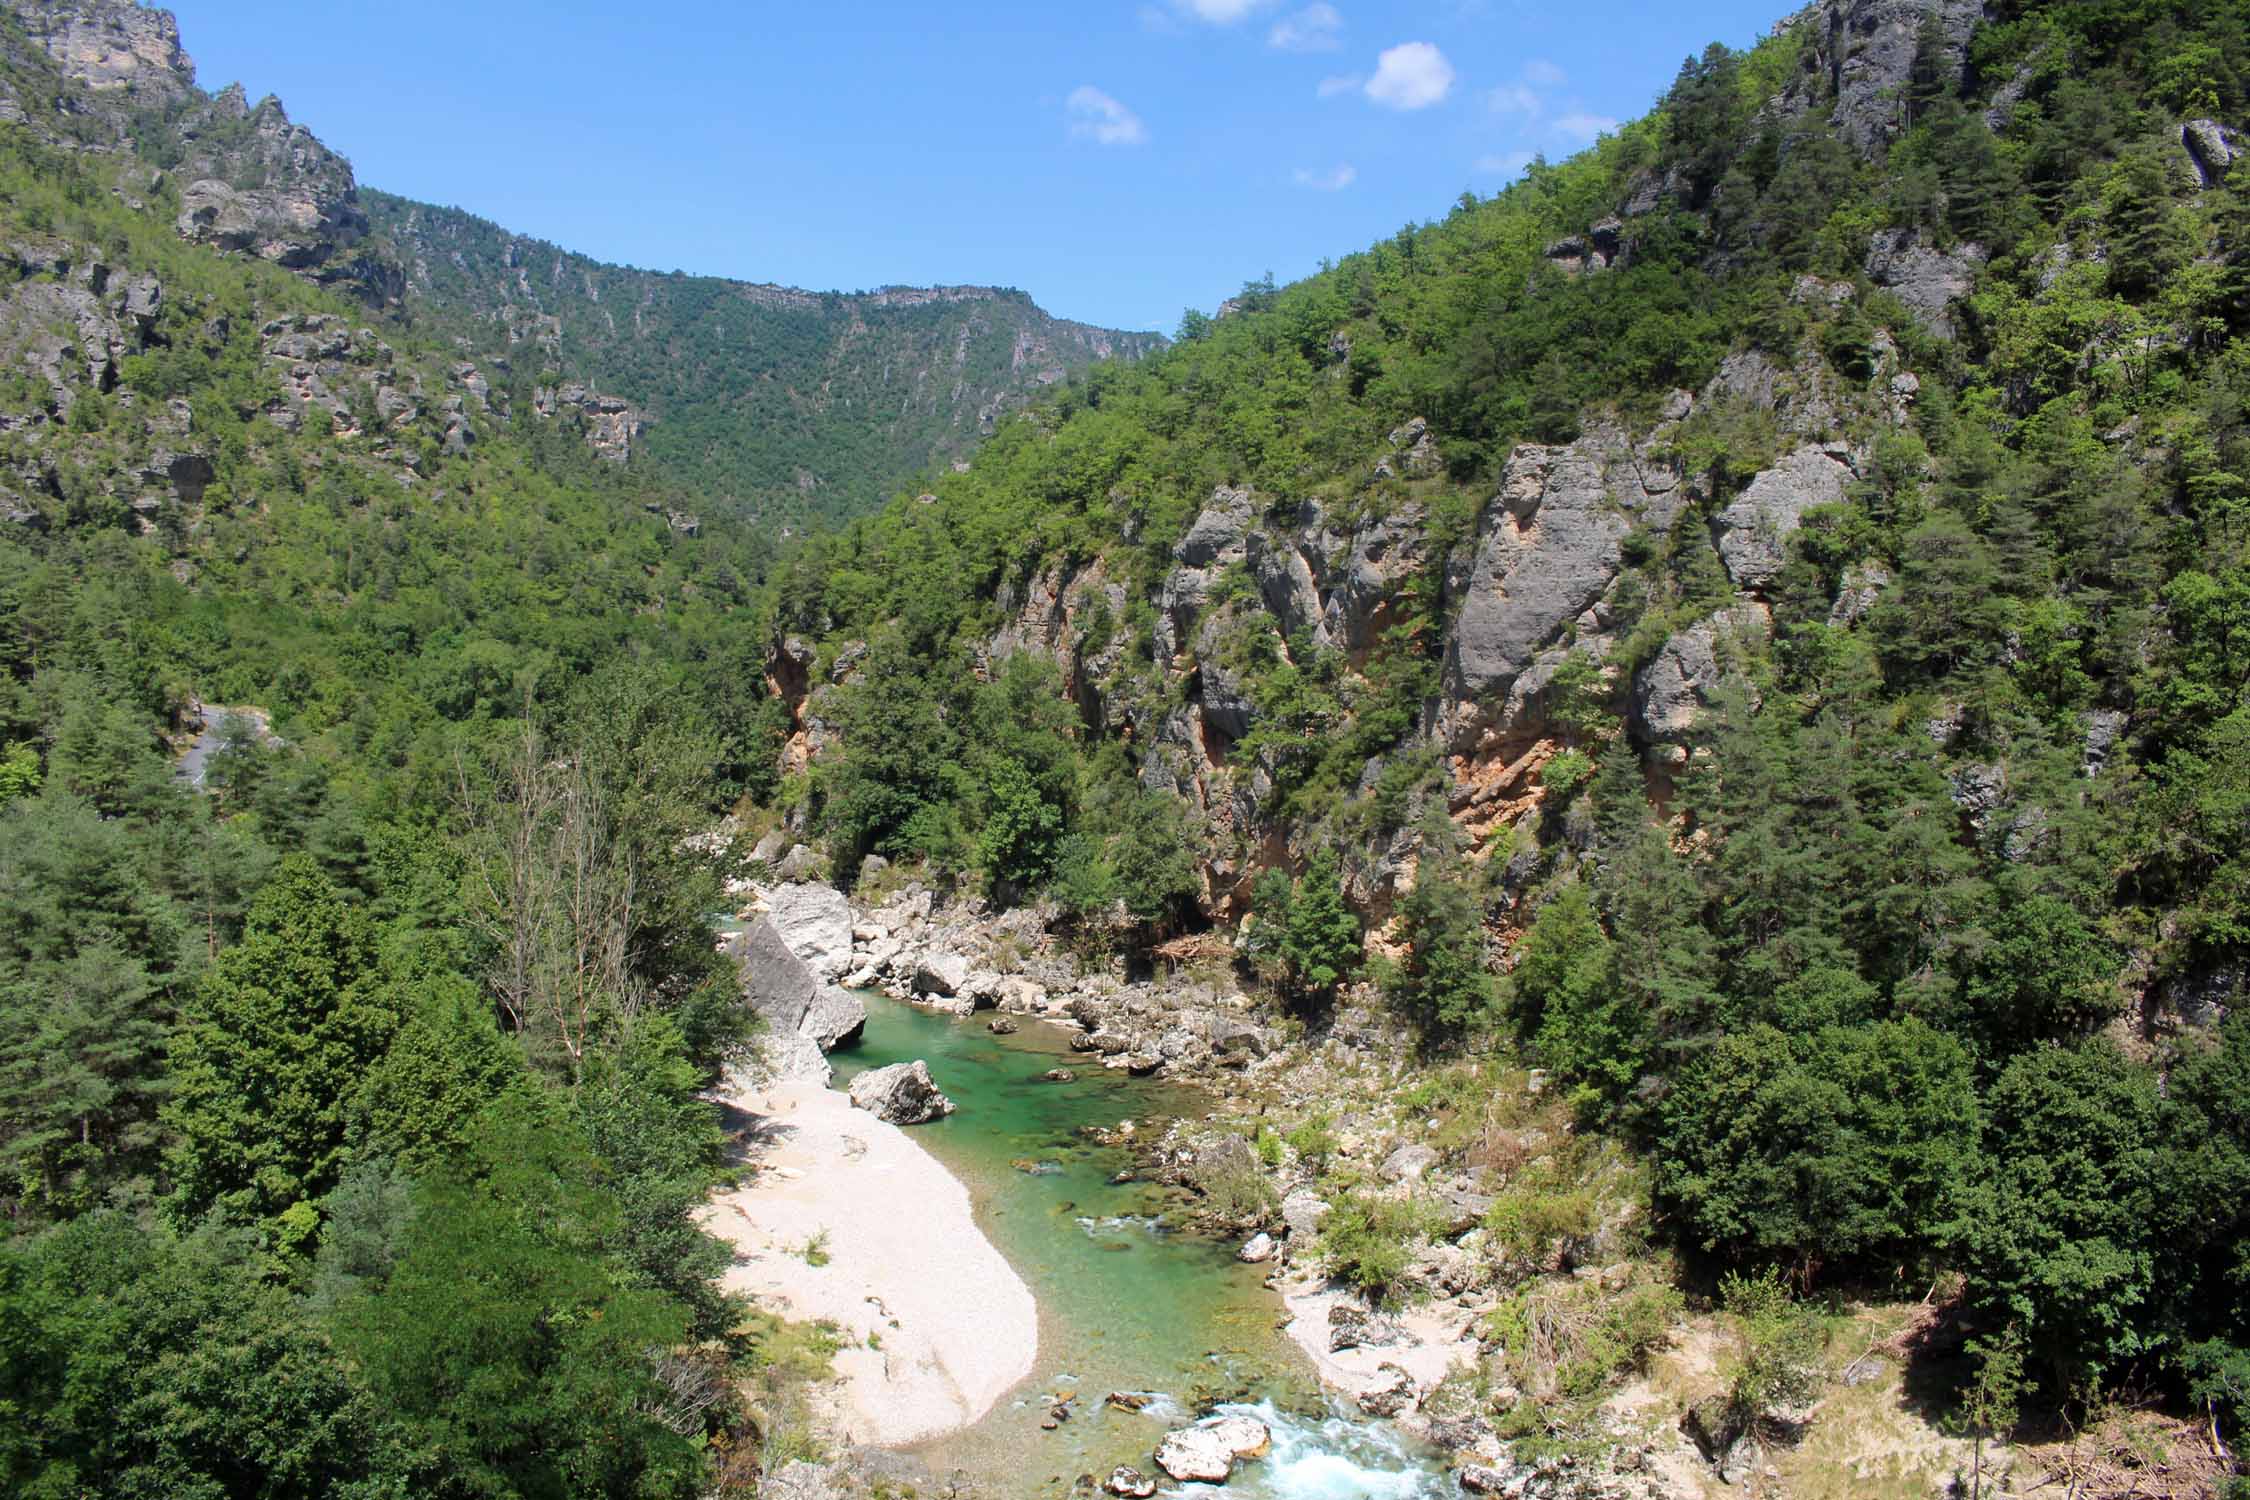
x=908 y=1272
x=1430 y=1344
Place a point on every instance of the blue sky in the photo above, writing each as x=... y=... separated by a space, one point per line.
x=1118 y=159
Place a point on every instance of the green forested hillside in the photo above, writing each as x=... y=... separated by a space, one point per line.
x=348 y=1117
x=1755 y=618
x=784 y=405
x=1755 y=613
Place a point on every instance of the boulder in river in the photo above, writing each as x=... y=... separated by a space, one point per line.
x=1193 y=1455
x=1130 y=1482
x=940 y=974
x=1257 y=1250
x=1206 y=1452
x=833 y=1017
x=901 y=1094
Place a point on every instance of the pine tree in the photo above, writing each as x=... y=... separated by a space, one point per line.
x=276 y=1043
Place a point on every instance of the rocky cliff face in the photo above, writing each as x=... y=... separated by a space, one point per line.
x=246 y=178
x=1550 y=572
x=111 y=46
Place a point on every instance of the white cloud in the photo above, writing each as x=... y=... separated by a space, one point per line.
x=1334 y=180
x=1219 y=12
x=1313 y=29
x=1342 y=83
x=1514 y=99
x=1412 y=75
x=1582 y=127
x=1541 y=73
x=1095 y=116
x=1508 y=164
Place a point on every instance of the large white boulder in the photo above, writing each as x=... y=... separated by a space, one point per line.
x=901 y=1094
x=940 y=974
x=815 y=921
x=1206 y=1452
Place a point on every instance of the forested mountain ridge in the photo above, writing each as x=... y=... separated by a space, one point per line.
x=792 y=405
x=1750 y=620
x=775 y=403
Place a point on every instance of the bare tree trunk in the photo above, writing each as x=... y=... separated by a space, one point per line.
x=555 y=893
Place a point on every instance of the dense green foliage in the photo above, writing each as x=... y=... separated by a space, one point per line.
x=376 y=1053
x=1928 y=865
x=349 y=1116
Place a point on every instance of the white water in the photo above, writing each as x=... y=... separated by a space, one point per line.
x=1330 y=1458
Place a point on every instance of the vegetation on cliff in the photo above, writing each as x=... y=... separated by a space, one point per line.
x=1757 y=615
x=1874 y=855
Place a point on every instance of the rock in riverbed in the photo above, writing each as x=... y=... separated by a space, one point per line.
x=1130 y=1482
x=1391 y=1393
x=901 y=1094
x=1206 y=1452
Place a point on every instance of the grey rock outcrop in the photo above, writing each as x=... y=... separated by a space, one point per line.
x=108 y=45
x=1409 y=1163
x=815 y=921
x=792 y=1058
x=1671 y=693
x=901 y=1094
x=1547 y=550
x=786 y=993
x=1302 y=1211
x=1755 y=528
x=1928 y=280
x=1379 y=554
x=1219 y=530
x=1863 y=51
x=613 y=426
x=1863 y=585
x=2212 y=147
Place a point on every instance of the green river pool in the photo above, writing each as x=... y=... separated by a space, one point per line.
x=1127 y=1303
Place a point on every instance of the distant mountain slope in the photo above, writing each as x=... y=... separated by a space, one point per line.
x=780 y=404
x=795 y=403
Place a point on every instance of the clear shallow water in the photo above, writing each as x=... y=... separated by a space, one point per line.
x=1127 y=1301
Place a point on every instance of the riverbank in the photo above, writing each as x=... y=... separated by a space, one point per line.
x=844 y=1218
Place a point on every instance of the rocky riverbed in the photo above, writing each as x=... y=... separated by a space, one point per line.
x=1130 y=1145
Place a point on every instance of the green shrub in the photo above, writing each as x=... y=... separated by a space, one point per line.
x=1367 y=1241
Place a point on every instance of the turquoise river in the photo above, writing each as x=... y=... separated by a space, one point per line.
x=1127 y=1302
